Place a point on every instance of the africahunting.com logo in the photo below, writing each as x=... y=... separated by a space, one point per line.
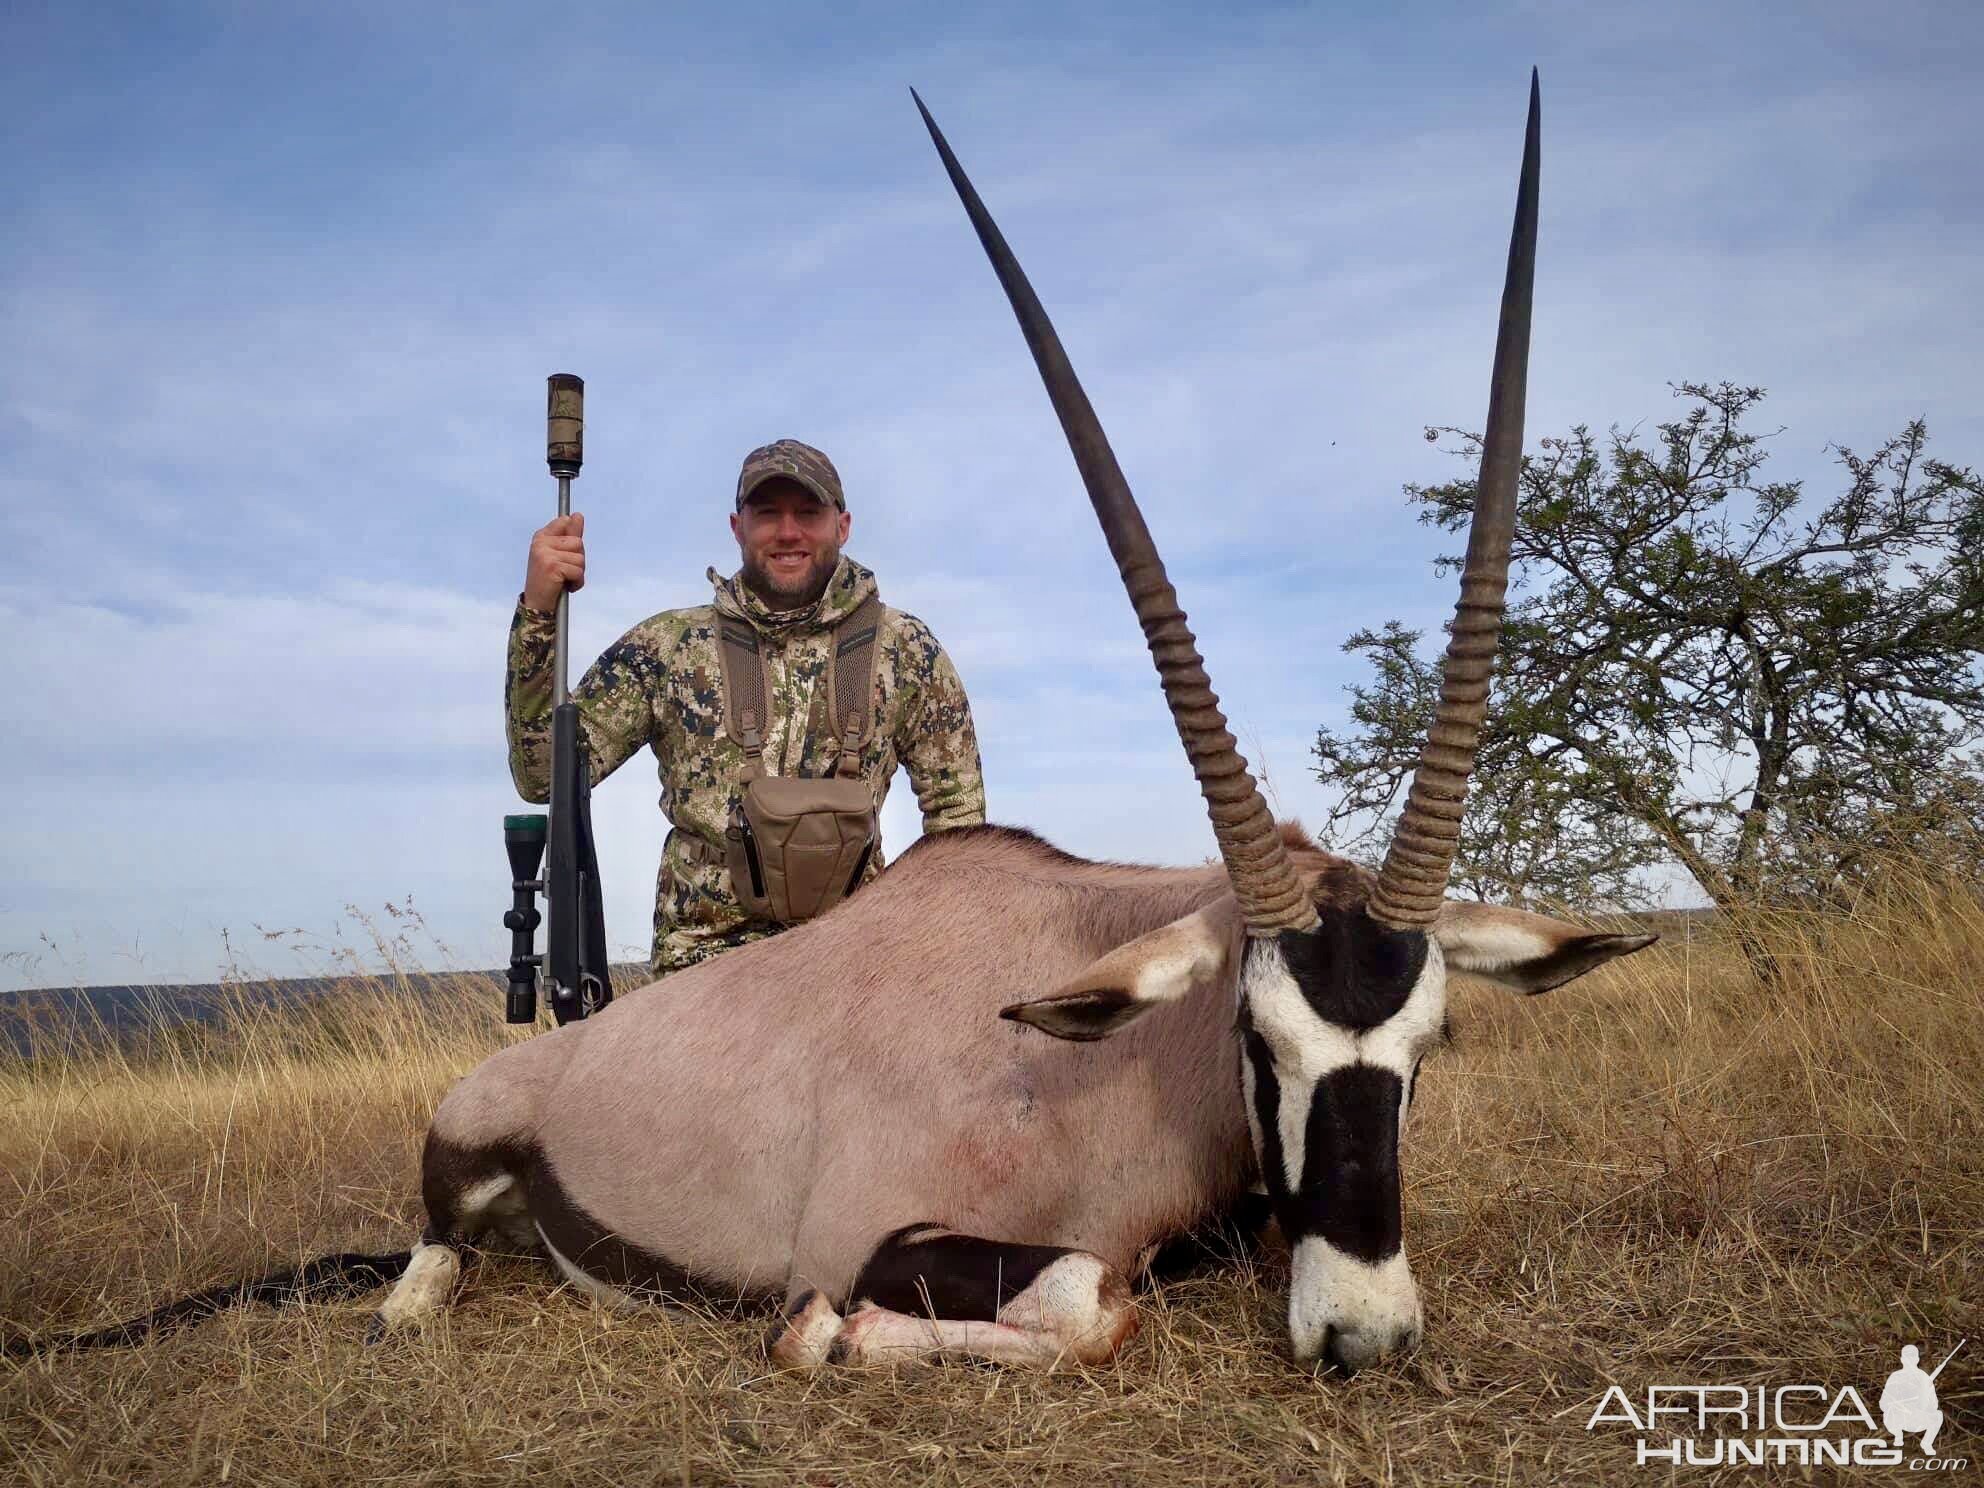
x=1771 y=1425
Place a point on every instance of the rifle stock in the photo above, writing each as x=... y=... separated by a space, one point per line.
x=575 y=935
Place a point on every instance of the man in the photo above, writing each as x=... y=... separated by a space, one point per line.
x=660 y=685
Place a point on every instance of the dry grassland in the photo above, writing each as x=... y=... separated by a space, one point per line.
x=1658 y=1174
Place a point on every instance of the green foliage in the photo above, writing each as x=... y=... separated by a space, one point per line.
x=1698 y=668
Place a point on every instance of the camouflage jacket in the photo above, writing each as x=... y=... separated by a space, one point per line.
x=658 y=685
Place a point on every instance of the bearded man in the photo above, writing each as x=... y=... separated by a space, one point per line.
x=794 y=605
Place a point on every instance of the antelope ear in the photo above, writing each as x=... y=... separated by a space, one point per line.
x=1529 y=952
x=1118 y=988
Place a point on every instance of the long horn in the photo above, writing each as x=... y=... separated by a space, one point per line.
x=1264 y=879
x=1414 y=879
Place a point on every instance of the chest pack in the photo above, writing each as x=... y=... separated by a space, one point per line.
x=796 y=847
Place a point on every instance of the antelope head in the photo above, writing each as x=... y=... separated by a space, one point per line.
x=1341 y=989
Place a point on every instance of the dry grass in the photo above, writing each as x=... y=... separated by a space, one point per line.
x=1658 y=1174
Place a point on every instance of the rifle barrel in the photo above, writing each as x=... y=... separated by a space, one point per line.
x=559 y=664
x=564 y=452
x=1947 y=1357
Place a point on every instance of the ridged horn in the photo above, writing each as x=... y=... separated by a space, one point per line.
x=1263 y=877
x=1413 y=880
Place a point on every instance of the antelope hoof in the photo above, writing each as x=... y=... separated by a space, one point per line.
x=804 y=1337
x=424 y=1289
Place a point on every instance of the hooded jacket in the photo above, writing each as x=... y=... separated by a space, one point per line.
x=660 y=685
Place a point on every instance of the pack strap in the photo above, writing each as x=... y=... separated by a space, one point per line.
x=850 y=687
x=745 y=692
x=851 y=682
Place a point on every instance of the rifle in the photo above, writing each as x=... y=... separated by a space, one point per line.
x=573 y=967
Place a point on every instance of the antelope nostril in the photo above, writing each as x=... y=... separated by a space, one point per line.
x=1320 y=1357
x=1335 y=1354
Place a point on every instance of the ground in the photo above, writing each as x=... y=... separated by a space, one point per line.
x=1661 y=1174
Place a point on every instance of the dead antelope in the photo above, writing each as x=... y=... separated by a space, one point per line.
x=837 y=1122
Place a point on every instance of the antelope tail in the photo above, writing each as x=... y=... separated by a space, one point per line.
x=346 y=1274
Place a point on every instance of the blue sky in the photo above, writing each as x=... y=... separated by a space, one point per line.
x=280 y=288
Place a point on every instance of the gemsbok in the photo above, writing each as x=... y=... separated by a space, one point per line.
x=836 y=1121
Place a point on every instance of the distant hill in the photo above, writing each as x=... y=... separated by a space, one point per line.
x=48 y=1019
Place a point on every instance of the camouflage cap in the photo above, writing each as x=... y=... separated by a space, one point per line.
x=790 y=460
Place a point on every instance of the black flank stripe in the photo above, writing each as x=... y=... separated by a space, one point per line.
x=597 y=1251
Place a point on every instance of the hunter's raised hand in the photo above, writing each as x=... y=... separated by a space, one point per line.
x=557 y=562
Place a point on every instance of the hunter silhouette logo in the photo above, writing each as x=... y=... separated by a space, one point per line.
x=1908 y=1403
x=1775 y=1425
